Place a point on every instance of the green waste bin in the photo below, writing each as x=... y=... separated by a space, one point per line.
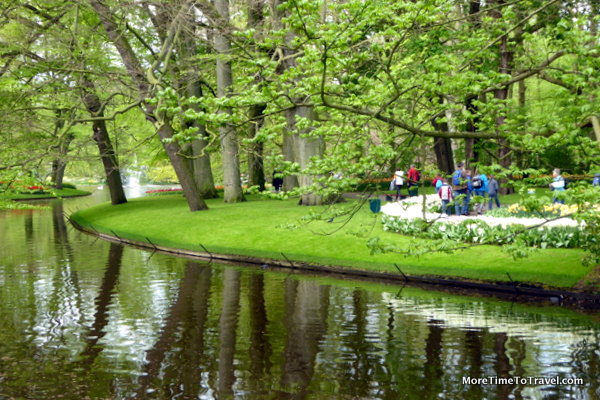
x=375 y=205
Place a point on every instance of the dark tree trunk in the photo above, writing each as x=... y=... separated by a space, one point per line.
x=472 y=145
x=443 y=149
x=501 y=94
x=256 y=170
x=504 y=153
x=58 y=172
x=260 y=350
x=105 y=147
x=110 y=163
x=502 y=365
x=433 y=368
x=59 y=164
x=103 y=301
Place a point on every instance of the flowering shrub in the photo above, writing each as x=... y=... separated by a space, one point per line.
x=477 y=231
x=159 y=192
x=544 y=211
x=28 y=186
x=34 y=190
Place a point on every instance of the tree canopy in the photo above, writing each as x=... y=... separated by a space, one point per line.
x=305 y=88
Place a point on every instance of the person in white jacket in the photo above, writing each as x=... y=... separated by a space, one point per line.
x=557 y=185
x=398 y=183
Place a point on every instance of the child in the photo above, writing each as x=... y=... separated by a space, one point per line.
x=437 y=182
x=445 y=193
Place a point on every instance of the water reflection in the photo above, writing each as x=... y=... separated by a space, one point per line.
x=260 y=350
x=82 y=318
x=102 y=303
x=306 y=307
x=28 y=220
x=181 y=339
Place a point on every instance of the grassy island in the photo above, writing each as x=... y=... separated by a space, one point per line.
x=55 y=193
x=276 y=229
x=17 y=200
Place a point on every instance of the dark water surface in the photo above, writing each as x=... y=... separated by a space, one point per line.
x=83 y=318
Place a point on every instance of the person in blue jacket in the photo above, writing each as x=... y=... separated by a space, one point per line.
x=480 y=188
x=460 y=184
x=493 y=191
x=557 y=185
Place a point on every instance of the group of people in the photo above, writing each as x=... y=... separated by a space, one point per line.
x=467 y=183
x=413 y=177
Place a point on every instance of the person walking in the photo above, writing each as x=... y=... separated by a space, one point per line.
x=480 y=188
x=414 y=176
x=557 y=185
x=493 y=188
x=277 y=181
x=460 y=184
x=445 y=193
x=398 y=180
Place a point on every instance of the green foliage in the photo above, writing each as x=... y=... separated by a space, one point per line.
x=478 y=232
x=163 y=173
x=6 y=204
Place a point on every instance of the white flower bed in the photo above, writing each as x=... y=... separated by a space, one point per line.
x=412 y=207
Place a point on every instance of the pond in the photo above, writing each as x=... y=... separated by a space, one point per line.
x=83 y=318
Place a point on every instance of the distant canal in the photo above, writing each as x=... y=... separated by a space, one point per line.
x=81 y=318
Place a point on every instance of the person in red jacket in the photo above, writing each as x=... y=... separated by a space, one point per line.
x=414 y=176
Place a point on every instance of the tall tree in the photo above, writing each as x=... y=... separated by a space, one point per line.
x=228 y=136
x=100 y=134
x=146 y=83
x=188 y=79
x=256 y=170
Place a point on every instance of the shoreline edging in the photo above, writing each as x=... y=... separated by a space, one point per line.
x=579 y=299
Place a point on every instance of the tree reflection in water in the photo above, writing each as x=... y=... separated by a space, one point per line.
x=82 y=318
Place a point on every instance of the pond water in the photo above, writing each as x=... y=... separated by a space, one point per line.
x=83 y=318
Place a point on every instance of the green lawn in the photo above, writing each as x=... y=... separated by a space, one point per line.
x=268 y=228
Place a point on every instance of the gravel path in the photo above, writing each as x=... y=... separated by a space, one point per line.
x=413 y=208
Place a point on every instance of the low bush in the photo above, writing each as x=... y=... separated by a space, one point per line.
x=477 y=231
